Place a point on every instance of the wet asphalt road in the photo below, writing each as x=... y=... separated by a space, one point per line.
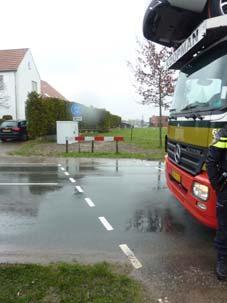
x=52 y=221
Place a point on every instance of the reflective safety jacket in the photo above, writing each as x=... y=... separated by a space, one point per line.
x=216 y=163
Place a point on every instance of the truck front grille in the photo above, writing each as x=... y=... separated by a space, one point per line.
x=190 y=158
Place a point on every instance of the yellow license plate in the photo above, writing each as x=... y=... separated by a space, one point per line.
x=176 y=176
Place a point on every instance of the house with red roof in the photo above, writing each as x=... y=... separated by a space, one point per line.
x=18 y=77
x=48 y=91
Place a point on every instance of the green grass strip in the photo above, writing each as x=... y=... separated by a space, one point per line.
x=66 y=283
x=32 y=148
x=147 y=138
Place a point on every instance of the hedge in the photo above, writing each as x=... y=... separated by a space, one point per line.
x=95 y=118
x=43 y=112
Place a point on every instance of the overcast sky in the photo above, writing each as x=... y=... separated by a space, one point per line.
x=80 y=47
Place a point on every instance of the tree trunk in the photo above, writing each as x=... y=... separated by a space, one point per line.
x=160 y=116
x=160 y=126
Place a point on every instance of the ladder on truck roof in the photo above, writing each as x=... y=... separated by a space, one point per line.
x=207 y=33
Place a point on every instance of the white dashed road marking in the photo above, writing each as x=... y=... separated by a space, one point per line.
x=79 y=189
x=127 y=251
x=89 y=202
x=62 y=168
x=59 y=165
x=72 y=180
x=66 y=173
x=106 y=223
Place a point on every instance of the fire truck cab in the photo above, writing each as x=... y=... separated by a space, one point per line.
x=199 y=107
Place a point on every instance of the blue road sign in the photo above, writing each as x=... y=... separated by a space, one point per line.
x=75 y=110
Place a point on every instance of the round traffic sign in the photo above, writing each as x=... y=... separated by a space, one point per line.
x=75 y=109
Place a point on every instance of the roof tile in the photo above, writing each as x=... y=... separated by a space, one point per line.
x=48 y=91
x=10 y=59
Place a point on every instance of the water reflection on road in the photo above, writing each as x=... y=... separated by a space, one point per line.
x=25 y=200
x=154 y=220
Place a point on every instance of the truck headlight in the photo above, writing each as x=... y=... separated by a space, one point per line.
x=200 y=191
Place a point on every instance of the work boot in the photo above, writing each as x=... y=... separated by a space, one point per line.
x=221 y=268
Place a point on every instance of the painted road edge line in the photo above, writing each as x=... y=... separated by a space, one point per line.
x=89 y=202
x=33 y=184
x=106 y=223
x=132 y=258
x=79 y=189
x=27 y=164
x=66 y=173
x=72 y=180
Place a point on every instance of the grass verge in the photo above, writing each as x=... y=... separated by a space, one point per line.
x=147 y=138
x=27 y=148
x=34 y=148
x=67 y=283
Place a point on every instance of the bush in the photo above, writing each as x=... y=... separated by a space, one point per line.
x=42 y=114
x=95 y=118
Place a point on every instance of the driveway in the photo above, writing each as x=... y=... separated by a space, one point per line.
x=6 y=147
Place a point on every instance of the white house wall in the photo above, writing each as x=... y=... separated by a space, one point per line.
x=7 y=95
x=26 y=73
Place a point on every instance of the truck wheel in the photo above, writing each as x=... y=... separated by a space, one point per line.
x=218 y=7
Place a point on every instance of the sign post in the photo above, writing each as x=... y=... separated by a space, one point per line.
x=66 y=145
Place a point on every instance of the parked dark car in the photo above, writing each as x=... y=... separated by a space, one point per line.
x=13 y=130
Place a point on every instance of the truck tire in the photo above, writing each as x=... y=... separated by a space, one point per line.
x=218 y=7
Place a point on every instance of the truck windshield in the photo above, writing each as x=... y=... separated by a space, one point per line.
x=202 y=87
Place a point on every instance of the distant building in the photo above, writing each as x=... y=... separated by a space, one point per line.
x=125 y=124
x=136 y=123
x=18 y=77
x=48 y=91
x=154 y=121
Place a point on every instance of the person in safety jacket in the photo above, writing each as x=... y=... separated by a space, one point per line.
x=216 y=164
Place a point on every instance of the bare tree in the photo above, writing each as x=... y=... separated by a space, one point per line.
x=153 y=82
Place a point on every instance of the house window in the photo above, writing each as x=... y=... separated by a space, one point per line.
x=1 y=82
x=34 y=86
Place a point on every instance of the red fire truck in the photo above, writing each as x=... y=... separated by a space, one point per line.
x=199 y=105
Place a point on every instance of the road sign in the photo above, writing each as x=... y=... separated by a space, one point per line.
x=77 y=118
x=75 y=110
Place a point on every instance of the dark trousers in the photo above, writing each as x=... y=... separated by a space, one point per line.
x=220 y=240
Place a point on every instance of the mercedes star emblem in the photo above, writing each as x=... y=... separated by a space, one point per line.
x=177 y=153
